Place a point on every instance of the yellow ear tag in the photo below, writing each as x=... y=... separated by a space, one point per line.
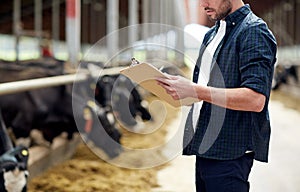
x=24 y=152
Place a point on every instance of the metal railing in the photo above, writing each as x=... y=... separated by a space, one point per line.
x=27 y=85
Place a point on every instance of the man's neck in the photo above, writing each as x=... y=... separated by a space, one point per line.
x=236 y=5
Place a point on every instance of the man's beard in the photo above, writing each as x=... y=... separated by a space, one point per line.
x=224 y=11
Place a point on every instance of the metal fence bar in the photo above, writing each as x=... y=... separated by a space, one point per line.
x=26 y=85
x=31 y=84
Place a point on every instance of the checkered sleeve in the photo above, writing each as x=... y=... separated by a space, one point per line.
x=257 y=53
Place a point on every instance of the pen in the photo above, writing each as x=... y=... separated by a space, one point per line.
x=161 y=68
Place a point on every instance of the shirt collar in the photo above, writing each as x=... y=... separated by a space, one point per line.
x=237 y=16
x=231 y=20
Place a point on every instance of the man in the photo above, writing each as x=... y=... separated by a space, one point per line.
x=229 y=126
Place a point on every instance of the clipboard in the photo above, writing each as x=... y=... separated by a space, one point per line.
x=144 y=74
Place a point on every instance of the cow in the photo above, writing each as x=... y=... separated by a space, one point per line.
x=28 y=110
x=97 y=128
x=13 y=170
x=24 y=110
x=51 y=111
x=116 y=93
x=13 y=163
x=282 y=75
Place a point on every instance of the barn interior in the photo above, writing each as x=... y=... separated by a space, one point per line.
x=84 y=126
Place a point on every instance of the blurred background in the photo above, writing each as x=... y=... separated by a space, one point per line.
x=57 y=38
x=26 y=25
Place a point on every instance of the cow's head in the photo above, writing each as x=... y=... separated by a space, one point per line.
x=13 y=170
x=101 y=131
x=117 y=94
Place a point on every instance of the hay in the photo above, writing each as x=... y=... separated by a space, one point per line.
x=86 y=172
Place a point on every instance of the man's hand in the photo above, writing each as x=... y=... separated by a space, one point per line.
x=243 y=98
x=178 y=87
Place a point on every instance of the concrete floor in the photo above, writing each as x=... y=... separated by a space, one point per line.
x=280 y=174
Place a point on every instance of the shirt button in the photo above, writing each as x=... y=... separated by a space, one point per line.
x=233 y=23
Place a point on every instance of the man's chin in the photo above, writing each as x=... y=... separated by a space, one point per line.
x=212 y=18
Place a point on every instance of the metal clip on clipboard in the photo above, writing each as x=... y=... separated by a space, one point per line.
x=134 y=62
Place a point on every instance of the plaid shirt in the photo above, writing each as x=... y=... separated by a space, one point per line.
x=245 y=58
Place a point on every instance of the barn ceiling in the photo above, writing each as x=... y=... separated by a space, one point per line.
x=6 y=6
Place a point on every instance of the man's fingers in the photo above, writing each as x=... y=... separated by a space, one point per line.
x=161 y=83
x=173 y=77
x=165 y=86
x=165 y=83
x=167 y=75
x=163 y=80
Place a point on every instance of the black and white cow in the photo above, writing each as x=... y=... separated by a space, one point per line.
x=51 y=111
x=13 y=170
x=30 y=110
x=118 y=94
x=13 y=163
